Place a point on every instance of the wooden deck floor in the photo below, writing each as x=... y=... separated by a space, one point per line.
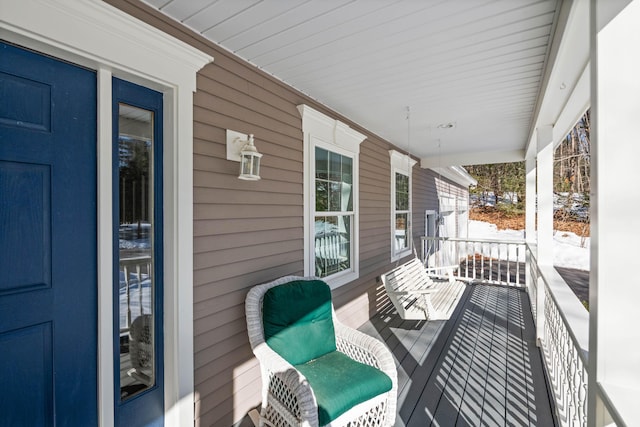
x=479 y=368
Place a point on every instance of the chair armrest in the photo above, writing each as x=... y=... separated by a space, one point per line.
x=368 y=350
x=282 y=383
x=362 y=347
x=449 y=269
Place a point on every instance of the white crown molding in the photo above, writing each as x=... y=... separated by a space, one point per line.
x=330 y=130
x=402 y=162
x=94 y=33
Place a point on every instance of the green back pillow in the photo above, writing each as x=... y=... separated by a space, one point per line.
x=297 y=320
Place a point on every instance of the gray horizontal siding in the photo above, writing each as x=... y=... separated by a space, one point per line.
x=246 y=233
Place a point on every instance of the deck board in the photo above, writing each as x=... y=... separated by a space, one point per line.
x=479 y=368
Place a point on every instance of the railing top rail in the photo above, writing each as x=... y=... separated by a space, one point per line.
x=135 y=260
x=475 y=240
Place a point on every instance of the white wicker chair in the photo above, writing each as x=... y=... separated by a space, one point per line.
x=287 y=398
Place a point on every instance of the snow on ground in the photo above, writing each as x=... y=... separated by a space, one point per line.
x=568 y=248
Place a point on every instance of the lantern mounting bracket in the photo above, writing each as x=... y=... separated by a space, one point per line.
x=235 y=142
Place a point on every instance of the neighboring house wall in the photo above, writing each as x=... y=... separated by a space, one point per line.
x=246 y=233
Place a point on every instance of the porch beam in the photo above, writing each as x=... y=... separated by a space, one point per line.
x=472 y=158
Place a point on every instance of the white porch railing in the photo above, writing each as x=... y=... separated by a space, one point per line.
x=481 y=260
x=135 y=275
x=562 y=328
x=561 y=320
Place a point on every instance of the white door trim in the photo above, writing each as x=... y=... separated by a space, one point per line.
x=99 y=36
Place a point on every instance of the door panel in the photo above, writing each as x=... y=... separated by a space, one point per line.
x=48 y=279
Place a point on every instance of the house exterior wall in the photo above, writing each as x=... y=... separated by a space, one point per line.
x=246 y=233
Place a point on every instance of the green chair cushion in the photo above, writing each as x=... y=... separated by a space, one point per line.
x=339 y=383
x=297 y=320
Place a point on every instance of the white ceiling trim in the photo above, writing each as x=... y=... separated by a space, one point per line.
x=473 y=158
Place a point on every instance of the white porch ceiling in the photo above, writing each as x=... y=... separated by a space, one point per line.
x=478 y=65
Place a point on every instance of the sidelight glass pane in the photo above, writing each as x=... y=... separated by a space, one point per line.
x=136 y=255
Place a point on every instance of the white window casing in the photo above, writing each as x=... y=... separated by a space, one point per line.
x=321 y=131
x=401 y=164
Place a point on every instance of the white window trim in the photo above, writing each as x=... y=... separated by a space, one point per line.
x=402 y=164
x=101 y=37
x=322 y=131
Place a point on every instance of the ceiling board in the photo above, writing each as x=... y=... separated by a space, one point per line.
x=477 y=63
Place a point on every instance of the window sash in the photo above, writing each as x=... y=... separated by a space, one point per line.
x=401 y=213
x=333 y=244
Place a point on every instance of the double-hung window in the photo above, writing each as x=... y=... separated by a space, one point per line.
x=334 y=212
x=401 y=166
x=331 y=151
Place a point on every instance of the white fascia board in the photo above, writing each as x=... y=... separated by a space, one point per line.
x=457 y=174
x=472 y=158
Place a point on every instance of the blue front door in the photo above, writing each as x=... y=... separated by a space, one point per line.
x=48 y=279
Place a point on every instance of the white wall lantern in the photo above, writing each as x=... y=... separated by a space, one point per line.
x=240 y=148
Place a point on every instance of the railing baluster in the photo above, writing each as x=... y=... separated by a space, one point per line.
x=139 y=276
x=518 y=266
x=508 y=264
x=481 y=260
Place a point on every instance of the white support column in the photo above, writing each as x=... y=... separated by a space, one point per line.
x=544 y=236
x=614 y=294
x=530 y=219
x=544 y=178
x=530 y=208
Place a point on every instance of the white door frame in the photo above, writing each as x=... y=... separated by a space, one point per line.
x=98 y=36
